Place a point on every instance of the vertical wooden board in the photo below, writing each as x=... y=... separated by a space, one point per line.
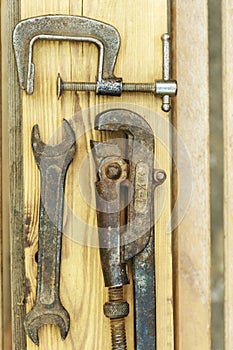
x=140 y=60
x=1 y=225
x=192 y=236
x=227 y=52
x=13 y=271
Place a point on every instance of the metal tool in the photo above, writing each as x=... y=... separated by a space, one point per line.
x=53 y=162
x=105 y=36
x=71 y=28
x=125 y=173
x=165 y=88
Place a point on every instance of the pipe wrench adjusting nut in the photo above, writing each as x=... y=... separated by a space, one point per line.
x=116 y=309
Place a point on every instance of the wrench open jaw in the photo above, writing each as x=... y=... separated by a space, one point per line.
x=120 y=164
x=66 y=147
x=41 y=314
x=53 y=162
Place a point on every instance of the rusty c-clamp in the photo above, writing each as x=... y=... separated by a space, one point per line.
x=107 y=39
x=125 y=186
x=68 y=28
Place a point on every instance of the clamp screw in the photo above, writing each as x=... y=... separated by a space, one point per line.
x=166 y=88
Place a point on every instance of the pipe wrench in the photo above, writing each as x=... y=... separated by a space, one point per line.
x=126 y=180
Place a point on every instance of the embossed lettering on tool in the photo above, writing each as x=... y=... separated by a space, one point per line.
x=120 y=165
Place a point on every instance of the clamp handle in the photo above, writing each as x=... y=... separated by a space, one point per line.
x=62 y=27
x=166 y=104
x=166 y=87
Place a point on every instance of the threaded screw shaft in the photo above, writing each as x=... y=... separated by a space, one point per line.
x=85 y=86
x=116 y=309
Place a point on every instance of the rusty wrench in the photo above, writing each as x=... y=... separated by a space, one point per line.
x=136 y=241
x=53 y=162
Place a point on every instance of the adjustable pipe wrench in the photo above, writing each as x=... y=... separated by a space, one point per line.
x=125 y=170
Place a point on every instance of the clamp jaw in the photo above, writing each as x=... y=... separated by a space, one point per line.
x=68 y=28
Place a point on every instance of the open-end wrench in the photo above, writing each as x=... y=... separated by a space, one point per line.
x=131 y=164
x=53 y=162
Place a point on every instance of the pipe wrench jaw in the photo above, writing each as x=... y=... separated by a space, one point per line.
x=120 y=180
x=137 y=149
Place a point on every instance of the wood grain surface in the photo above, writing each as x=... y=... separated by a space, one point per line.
x=192 y=236
x=227 y=51
x=12 y=195
x=140 y=60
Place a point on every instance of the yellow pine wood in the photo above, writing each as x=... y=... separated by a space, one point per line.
x=82 y=288
x=227 y=33
x=9 y=318
x=192 y=237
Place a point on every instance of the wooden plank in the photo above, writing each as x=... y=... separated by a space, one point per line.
x=227 y=64
x=82 y=289
x=4 y=225
x=13 y=187
x=1 y=231
x=192 y=236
